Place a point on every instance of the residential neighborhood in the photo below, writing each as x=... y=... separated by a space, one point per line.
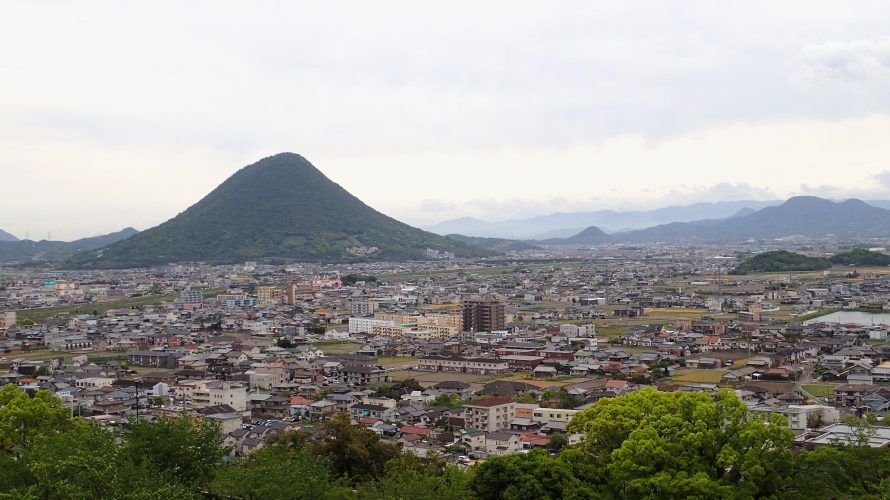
x=470 y=359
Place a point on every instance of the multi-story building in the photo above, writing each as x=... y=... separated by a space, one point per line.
x=363 y=308
x=190 y=297
x=366 y=325
x=483 y=315
x=154 y=359
x=478 y=366
x=234 y=395
x=268 y=295
x=490 y=414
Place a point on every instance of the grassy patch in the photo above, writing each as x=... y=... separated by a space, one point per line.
x=611 y=331
x=698 y=376
x=336 y=347
x=396 y=360
x=819 y=390
x=674 y=313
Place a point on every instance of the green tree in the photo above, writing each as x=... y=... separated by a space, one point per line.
x=407 y=477
x=185 y=448
x=24 y=419
x=683 y=444
x=449 y=400
x=533 y=475
x=271 y=472
x=357 y=454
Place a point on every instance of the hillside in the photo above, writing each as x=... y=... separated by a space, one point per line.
x=806 y=216
x=589 y=236
x=493 y=244
x=780 y=261
x=4 y=236
x=279 y=207
x=860 y=257
x=27 y=251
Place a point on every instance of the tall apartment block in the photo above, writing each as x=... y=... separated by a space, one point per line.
x=482 y=315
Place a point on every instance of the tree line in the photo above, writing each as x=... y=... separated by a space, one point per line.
x=646 y=444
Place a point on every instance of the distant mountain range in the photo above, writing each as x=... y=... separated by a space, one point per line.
x=561 y=225
x=4 y=236
x=564 y=225
x=280 y=207
x=27 y=251
x=801 y=216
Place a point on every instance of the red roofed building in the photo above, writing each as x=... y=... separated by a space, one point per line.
x=534 y=440
x=413 y=429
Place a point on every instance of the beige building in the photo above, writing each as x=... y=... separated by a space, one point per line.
x=478 y=366
x=268 y=295
x=489 y=415
x=548 y=415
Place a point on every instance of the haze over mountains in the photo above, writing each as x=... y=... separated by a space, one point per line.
x=561 y=225
x=282 y=207
x=806 y=216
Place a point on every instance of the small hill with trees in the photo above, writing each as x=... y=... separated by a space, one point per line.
x=860 y=257
x=780 y=261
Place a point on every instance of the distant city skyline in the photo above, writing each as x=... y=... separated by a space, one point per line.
x=521 y=109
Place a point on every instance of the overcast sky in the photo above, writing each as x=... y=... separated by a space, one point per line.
x=117 y=114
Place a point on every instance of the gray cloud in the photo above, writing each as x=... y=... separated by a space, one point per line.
x=848 y=61
x=883 y=178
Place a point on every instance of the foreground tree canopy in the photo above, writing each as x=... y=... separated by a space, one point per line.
x=646 y=444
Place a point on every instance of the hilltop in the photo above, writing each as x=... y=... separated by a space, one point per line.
x=589 y=236
x=4 y=236
x=279 y=207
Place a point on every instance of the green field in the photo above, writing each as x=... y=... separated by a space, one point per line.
x=698 y=376
x=43 y=313
x=819 y=390
x=611 y=331
x=336 y=347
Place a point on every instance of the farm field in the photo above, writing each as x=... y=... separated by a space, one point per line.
x=698 y=376
x=396 y=360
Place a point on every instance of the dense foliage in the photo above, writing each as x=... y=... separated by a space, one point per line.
x=493 y=244
x=280 y=207
x=351 y=279
x=646 y=444
x=780 y=261
x=861 y=257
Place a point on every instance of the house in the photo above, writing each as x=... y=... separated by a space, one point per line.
x=361 y=375
x=545 y=372
x=502 y=443
x=462 y=389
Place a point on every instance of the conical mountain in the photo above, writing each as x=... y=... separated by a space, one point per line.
x=589 y=236
x=279 y=207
